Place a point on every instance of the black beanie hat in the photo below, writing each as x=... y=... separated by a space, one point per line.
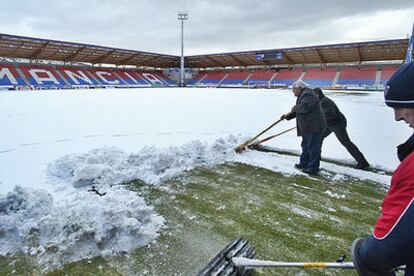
x=399 y=91
x=318 y=92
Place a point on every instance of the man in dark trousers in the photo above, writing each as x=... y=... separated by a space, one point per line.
x=310 y=125
x=336 y=123
x=392 y=242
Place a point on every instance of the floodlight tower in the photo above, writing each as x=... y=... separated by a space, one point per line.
x=182 y=15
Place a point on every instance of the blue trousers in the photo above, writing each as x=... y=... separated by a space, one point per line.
x=311 y=151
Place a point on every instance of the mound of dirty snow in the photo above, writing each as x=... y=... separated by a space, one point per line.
x=83 y=225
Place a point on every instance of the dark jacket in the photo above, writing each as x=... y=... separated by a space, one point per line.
x=406 y=148
x=308 y=113
x=331 y=112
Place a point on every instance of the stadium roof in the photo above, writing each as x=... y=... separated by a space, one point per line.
x=12 y=46
x=44 y=49
x=385 y=50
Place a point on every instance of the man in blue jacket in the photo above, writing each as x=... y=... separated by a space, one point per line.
x=392 y=242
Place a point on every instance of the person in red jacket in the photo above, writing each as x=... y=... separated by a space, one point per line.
x=392 y=242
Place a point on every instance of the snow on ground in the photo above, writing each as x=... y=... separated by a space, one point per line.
x=80 y=226
x=56 y=144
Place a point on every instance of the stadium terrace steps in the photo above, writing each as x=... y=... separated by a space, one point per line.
x=247 y=78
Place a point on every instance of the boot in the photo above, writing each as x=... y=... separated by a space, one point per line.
x=311 y=171
x=299 y=166
x=363 y=164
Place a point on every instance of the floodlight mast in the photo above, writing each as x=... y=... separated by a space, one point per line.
x=182 y=15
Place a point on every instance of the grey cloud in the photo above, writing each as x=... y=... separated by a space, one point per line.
x=214 y=24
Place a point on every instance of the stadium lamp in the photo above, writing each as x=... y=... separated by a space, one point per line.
x=182 y=15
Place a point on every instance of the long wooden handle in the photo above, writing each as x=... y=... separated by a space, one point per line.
x=269 y=127
x=271 y=137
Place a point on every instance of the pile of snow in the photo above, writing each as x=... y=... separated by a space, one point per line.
x=105 y=167
x=82 y=225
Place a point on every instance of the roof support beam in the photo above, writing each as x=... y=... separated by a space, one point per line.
x=236 y=59
x=266 y=62
x=37 y=53
x=18 y=48
x=304 y=57
x=216 y=62
x=323 y=60
x=146 y=62
x=103 y=57
x=252 y=60
x=289 y=60
x=74 y=55
x=358 y=48
x=128 y=59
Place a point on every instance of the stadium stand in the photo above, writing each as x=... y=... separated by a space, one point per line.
x=319 y=77
x=56 y=76
x=154 y=78
x=235 y=78
x=131 y=78
x=201 y=75
x=213 y=78
x=164 y=78
x=105 y=76
x=386 y=73
x=42 y=76
x=9 y=76
x=76 y=76
x=28 y=62
x=357 y=76
x=51 y=76
x=287 y=77
x=260 y=78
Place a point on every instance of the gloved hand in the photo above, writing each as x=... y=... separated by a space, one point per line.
x=356 y=244
x=360 y=265
x=283 y=117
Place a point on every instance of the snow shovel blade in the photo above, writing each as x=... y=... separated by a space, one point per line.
x=243 y=146
x=240 y=148
x=222 y=263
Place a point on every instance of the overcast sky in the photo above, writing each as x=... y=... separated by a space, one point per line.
x=214 y=26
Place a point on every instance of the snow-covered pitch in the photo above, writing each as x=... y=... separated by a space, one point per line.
x=54 y=145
